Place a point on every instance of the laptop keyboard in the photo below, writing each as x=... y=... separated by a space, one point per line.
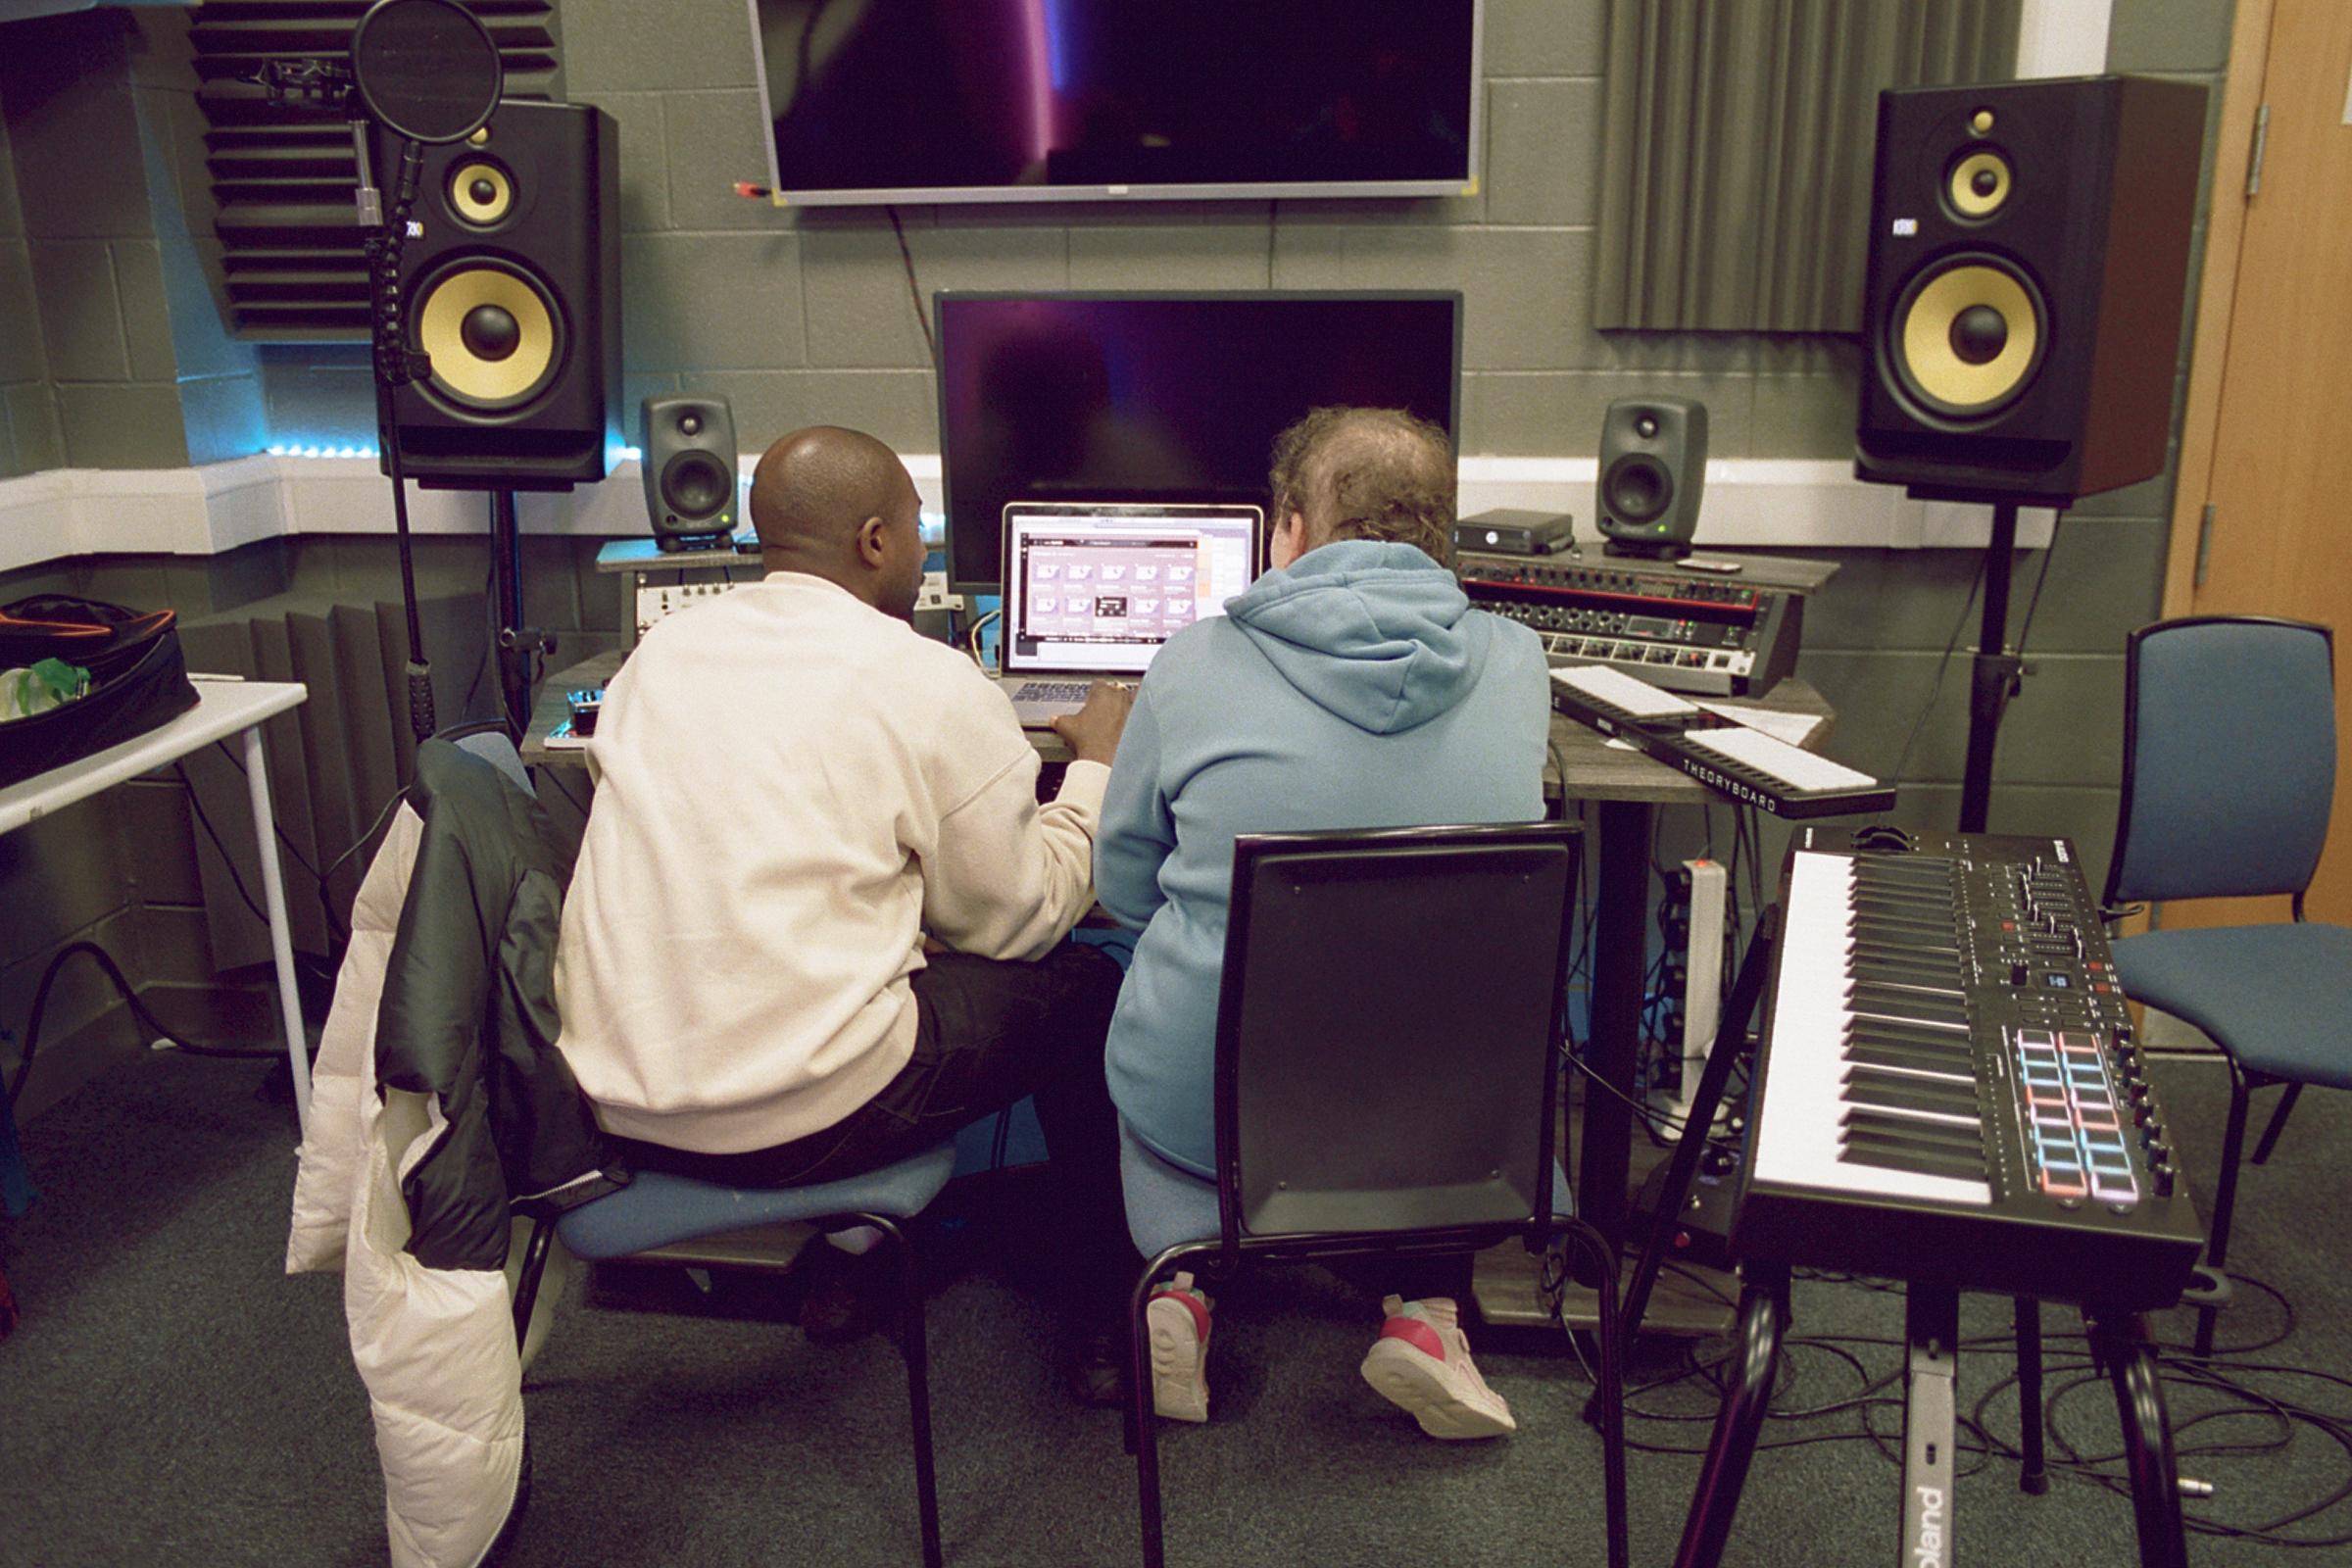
x=1050 y=691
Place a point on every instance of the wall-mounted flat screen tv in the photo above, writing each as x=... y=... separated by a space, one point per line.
x=1156 y=398
x=875 y=101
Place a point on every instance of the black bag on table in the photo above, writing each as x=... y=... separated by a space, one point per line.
x=138 y=678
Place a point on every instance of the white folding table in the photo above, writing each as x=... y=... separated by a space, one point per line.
x=225 y=707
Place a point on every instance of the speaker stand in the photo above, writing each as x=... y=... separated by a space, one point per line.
x=1997 y=674
x=518 y=645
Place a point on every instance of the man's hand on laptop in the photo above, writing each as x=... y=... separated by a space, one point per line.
x=1093 y=732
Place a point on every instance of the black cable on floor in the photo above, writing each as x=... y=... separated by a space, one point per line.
x=138 y=1010
x=2201 y=1436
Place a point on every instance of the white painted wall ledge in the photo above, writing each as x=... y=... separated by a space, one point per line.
x=219 y=507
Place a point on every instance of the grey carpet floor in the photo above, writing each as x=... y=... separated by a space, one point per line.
x=173 y=1397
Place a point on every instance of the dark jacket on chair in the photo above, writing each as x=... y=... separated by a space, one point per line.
x=469 y=1014
x=438 y=1099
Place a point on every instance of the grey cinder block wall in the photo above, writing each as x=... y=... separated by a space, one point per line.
x=804 y=316
x=113 y=352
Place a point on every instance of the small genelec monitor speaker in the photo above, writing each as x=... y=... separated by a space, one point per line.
x=687 y=445
x=1654 y=467
x=2028 y=262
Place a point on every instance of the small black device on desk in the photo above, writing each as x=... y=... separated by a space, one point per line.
x=1510 y=532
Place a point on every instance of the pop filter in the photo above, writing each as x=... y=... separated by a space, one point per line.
x=425 y=69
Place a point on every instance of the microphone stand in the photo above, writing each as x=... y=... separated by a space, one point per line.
x=396 y=364
x=322 y=85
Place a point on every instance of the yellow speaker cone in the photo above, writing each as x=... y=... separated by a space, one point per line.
x=1970 y=338
x=490 y=334
x=480 y=193
x=1979 y=183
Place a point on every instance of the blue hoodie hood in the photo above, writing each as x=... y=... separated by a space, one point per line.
x=1376 y=633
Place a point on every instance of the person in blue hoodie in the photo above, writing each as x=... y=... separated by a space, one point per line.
x=1352 y=686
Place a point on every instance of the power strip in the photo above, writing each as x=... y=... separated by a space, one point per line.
x=1702 y=970
x=934 y=594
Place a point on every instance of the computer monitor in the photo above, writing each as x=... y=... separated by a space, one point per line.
x=1158 y=398
x=1127 y=100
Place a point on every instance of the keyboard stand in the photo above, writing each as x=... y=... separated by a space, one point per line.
x=1931 y=1316
x=1763 y=1319
x=1932 y=1328
x=2119 y=1345
x=2118 y=1341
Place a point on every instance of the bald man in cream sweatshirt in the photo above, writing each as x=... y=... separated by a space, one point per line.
x=794 y=789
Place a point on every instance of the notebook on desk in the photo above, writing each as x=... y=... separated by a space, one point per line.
x=1091 y=590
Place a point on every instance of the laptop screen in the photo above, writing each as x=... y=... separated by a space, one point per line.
x=1098 y=588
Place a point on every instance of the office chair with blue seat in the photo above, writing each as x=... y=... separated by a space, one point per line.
x=2228 y=777
x=1386 y=1078
x=658 y=1210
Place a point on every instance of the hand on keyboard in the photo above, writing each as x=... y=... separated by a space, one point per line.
x=1093 y=732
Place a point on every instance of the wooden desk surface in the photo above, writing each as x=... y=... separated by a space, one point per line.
x=1593 y=769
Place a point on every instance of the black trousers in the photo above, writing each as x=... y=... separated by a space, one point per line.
x=987 y=1034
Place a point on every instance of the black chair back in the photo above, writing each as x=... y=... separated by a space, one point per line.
x=1389 y=1029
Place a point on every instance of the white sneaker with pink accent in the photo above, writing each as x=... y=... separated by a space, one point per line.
x=1176 y=1320
x=1421 y=1364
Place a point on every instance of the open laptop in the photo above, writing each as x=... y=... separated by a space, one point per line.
x=1092 y=589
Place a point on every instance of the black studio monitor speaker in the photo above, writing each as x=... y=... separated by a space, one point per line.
x=687 y=447
x=2028 y=252
x=1653 y=469
x=514 y=291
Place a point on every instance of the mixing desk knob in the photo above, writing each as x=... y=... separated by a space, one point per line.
x=2161 y=1174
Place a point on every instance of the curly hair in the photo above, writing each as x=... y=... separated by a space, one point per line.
x=1367 y=474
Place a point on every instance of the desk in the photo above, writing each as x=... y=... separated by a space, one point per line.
x=224 y=708
x=1626 y=787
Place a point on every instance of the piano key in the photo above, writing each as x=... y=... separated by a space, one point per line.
x=1901 y=924
x=1907 y=1007
x=1888 y=1032
x=1953 y=1075
x=1892 y=1056
x=1920 y=959
x=1943 y=996
x=1910 y=902
x=1865 y=1085
x=1873 y=1092
x=1885 y=1019
x=1909 y=1129
x=1922 y=1165
x=1961 y=1159
x=1899 y=971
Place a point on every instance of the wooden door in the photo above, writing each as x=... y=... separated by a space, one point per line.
x=2278 y=472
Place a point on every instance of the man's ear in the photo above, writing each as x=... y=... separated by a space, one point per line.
x=871 y=542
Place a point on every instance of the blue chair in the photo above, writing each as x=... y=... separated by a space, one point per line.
x=658 y=1210
x=2228 y=775
x=1386 y=1076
